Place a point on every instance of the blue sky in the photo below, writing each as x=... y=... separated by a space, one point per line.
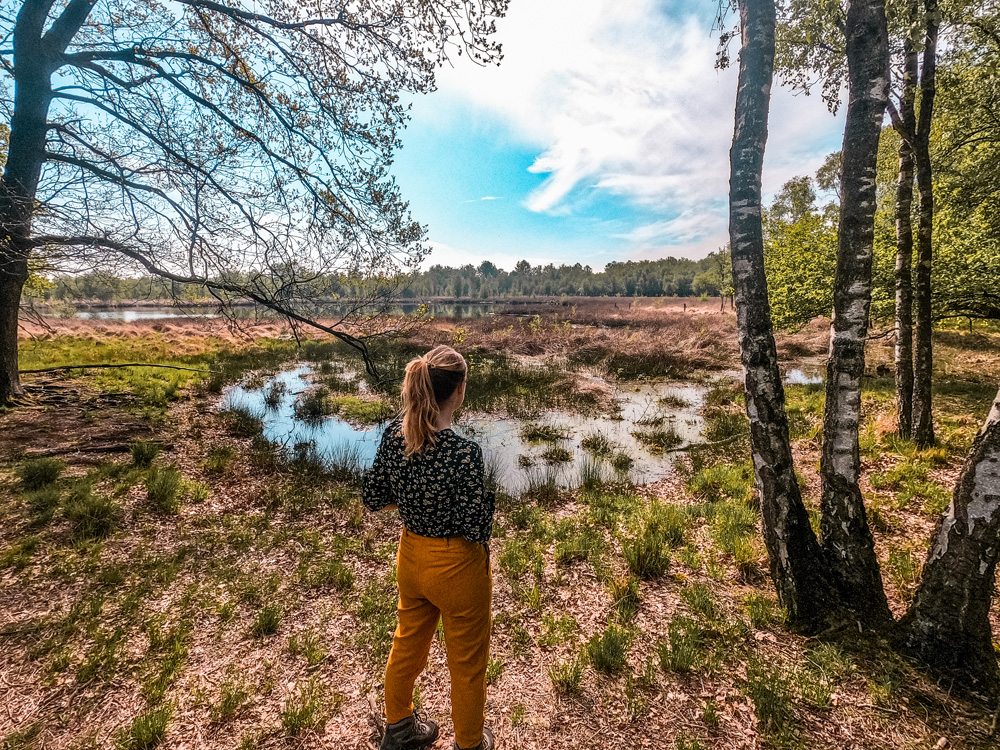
x=603 y=135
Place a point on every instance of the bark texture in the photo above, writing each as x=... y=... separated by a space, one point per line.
x=796 y=560
x=906 y=126
x=947 y=627
x=847 y=539
x=37 y=57
x=923 y=424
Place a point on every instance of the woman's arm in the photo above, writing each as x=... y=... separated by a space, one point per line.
x=376 y=489
x=476 y=503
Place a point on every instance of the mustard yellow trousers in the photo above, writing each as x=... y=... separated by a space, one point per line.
x=448 y=580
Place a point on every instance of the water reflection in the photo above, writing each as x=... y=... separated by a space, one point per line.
x=129 y=315
x=516 y=460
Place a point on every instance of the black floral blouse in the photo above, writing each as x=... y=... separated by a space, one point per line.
x=440 y=493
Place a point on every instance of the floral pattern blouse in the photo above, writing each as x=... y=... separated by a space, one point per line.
x=440 y=493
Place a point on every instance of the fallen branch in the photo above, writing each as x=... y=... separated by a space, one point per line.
x=107 y=366
x=690 y=446
x=99 y=448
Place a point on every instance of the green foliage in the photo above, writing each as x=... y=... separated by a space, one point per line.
x=684 y=648
x=769 y=689
x=233 y=697
x=648 y=551
x=37 y=473
x=625 y=597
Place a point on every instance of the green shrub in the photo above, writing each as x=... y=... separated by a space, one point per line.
x=144 y=452
x=36 y=473
x=608 y=651
x=163 y=487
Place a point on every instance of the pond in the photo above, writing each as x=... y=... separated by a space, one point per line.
x=556 y=447
x=131 y=314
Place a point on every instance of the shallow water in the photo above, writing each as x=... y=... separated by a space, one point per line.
x=516 y=461
x=129 y=315
x=798 y=377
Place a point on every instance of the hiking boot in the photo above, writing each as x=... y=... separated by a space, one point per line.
x=487 y=744
x=412 y=733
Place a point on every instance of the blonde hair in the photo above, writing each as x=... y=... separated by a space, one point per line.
x=430 y=381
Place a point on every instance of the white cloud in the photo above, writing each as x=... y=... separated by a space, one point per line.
x=622 y=100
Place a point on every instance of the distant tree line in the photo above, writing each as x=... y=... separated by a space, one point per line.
x=667 y=277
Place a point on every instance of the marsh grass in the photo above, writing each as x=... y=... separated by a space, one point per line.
x=219 y=459
x=658 y=439
x=647 y=550
x=543 y=433
x=242 y=421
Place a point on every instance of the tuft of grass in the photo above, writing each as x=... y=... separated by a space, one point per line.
x=625 y=598
x=761 y=610
x=608 y=651
x=567 y=676
x=377 y=614
x=267 y=621
x=557 y=630
x=494 y=670
x=543 y=433
x=658 y=439
x=701 y=600
x=576 y=541
x=904 y=571
x=329 y=572
x=358 y=410
x=598 y=444
x=724 y=482
x=685 y=647
x=91 y=516
x=305 y=710
x=18 y=555
x=163 y=487
x=144 y=452
x=647 y=553
x=233 y=697
x=219 y=459
x=825 y=667
x=242 y=421
x=308 y=646
x=36 y=473
x=769 y=690
x=555 y=454
x=146 y=731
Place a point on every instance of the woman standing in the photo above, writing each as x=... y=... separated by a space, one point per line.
x=436 y=479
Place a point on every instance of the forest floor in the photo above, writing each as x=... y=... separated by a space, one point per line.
x=169 y=579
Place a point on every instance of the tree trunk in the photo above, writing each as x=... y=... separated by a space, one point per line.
x=847 y=540
x=947 y=627
x=904 y=245
x=796 y=560
x=923 y=423
x=36 y=60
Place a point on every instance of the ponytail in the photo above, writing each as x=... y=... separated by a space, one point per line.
x=430 y=381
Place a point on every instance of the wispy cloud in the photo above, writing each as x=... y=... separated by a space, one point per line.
x=622 y=100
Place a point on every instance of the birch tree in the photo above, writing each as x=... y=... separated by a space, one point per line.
x=846 y=538
x=797 y=565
